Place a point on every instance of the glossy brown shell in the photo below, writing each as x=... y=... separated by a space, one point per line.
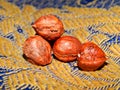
x=91 y=57
x=66 y=48
x=49 y=27
x=37 y=50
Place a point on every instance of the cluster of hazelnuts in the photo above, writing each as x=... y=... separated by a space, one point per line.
x=38 y=48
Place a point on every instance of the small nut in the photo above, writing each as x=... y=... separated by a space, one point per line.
x=66 y=48
x=49 y=27
x=91 y=57
x=37 y=50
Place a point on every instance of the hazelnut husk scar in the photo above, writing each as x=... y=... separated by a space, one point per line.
x=49 y=27
x=66 y=48
x=37 y=50
x=91 y=57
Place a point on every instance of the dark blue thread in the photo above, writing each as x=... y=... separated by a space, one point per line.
x=86 y=1
x=59 y=4
x=2 y=18
x=72 y=65
x=19 y=3
x=27 y=87
x=5 y=72
x=20 y=30
x=92 y=30
x=108 y=35
x=69 y=31
x=1 y=80
x=72 y=3
x=10 y=1
x=10 y=36
x=2 y=56
x=35 y=3
x=118 y=39
x=113 y=39
x=29 y=1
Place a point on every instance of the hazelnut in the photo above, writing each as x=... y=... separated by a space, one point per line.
x=49 y=27
x=37 y=50
x=66 y=48
x=91 y=57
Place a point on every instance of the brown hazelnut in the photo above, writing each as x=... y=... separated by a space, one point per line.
x=91 y=57
x=49 y=27
x=66 y=48
x=37 y=50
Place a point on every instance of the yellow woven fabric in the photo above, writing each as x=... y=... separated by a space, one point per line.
x=98 y=25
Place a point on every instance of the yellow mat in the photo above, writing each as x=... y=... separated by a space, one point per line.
x=87 y=24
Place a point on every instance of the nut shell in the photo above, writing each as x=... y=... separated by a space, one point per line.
x=49 y=27
x=66 y=48
x=91 y=57
x=37 y=50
